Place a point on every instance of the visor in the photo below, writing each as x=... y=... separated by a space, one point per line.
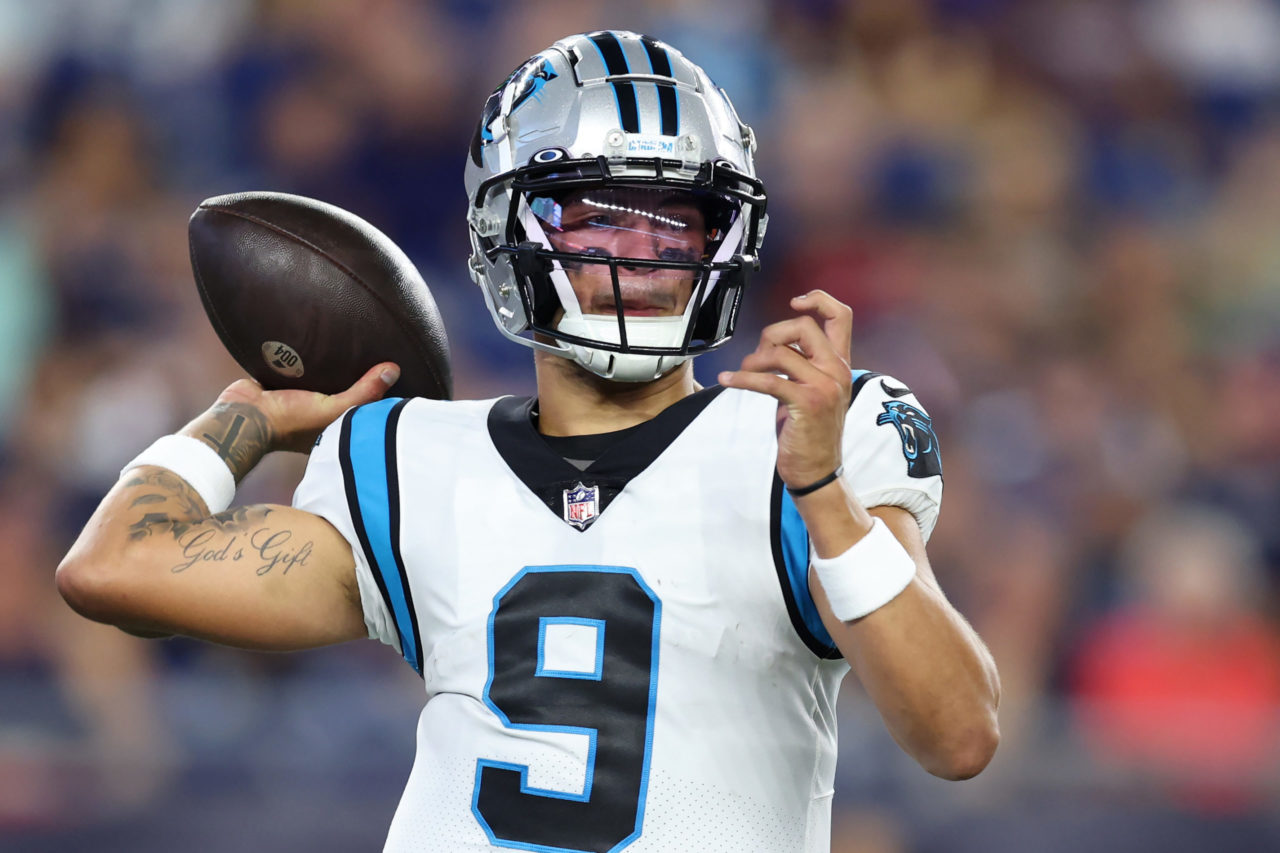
x=636 y=223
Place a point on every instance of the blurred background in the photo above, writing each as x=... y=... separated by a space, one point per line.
x=1056 y=220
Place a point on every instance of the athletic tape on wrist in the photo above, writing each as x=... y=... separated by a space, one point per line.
x=193 y=461
x=868 y=576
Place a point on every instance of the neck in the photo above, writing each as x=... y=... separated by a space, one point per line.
x=573 y=401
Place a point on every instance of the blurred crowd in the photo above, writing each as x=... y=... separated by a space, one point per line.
x=1056 y=220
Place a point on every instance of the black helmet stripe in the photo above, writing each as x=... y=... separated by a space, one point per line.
x=615 y=62
x=668 y=106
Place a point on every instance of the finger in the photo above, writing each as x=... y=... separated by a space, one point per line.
x=373 y=385
x=836 y=318
x=784 y=359
x=778 y=387
x=813 y=342
x=243 y=390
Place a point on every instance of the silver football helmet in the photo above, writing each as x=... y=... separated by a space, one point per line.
x=615 y=214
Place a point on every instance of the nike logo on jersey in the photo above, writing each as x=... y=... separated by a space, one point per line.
x=894 y=392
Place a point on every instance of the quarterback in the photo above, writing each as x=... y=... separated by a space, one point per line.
x=631 y=599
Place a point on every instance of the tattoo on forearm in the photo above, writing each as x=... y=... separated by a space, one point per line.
x=169 y=487
x=239 y=519
x=244 y=535
x=246 y=436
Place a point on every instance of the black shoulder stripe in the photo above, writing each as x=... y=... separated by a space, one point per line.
x=860 y=380
x=393 y=509
x=793 y=574
x=353 y=506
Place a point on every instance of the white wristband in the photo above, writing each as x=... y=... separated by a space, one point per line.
x=867 y=576
x=194 y=461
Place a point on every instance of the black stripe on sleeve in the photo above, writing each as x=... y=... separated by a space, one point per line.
x=393 y=520
x=860 y=383
x=812 y=643
x=353 y=505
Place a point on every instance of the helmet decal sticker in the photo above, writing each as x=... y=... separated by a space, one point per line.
x=532 y=74
x=668 y=105
x=625 y=93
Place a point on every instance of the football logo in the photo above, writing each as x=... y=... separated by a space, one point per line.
x=282 y=358
x=919 y=444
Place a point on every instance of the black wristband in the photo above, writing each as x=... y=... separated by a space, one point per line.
x=813 y=487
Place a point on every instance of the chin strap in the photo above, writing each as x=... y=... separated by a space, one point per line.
x=624 y=367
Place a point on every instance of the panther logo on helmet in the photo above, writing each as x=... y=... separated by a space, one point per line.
x=525 y=82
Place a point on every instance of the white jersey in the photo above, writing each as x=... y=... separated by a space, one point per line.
x=626 y=656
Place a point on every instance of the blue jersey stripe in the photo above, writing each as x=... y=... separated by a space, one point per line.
x=795 y=553
x=375 y=510
x=790 y=543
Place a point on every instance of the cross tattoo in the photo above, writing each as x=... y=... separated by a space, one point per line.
x=223 y=446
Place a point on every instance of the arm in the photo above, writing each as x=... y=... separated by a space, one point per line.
x=929 y=675
x=153 y=561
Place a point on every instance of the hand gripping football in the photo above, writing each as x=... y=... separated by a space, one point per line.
x=306 y=295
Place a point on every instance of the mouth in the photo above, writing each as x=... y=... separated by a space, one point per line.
x=646 y=302
x=636 y=307
x=640 y=308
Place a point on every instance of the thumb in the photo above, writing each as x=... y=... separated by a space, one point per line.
x=374 y=385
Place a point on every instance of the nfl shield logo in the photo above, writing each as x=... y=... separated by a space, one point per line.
x=581 y=505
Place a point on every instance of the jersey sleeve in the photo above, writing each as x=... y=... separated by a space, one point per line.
x=324 y=491
x=891 y=453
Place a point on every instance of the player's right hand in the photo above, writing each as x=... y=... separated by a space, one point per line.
x=247 y=421
x=296 y=418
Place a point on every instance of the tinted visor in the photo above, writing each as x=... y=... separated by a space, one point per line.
x=670 y=225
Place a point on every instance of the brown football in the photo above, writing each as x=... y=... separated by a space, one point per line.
x=306 y=295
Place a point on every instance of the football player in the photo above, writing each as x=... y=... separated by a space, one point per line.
x=631 y=599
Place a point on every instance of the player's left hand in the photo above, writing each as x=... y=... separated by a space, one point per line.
x=811 y=352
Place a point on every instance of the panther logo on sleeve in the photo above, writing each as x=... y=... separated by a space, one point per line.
x=919 y=444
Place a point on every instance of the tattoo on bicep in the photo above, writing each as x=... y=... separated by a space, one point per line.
x=266 y=549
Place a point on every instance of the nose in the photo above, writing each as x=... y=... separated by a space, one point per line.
x=634 y=240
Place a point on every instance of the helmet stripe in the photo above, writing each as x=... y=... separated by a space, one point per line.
x=624 y=93
x=668 y=106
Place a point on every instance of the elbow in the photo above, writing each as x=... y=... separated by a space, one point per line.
x=87 y=589
x=967 y=755
x=101 y=594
